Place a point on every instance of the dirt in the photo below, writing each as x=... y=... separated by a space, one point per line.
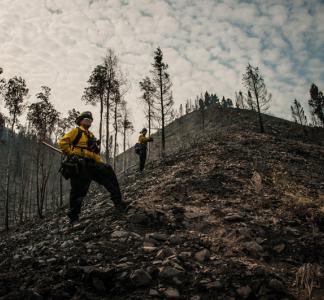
x=239 y=215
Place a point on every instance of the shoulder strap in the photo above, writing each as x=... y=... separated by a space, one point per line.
x=77 y=138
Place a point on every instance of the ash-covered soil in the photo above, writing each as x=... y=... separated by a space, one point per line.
x=238 y=215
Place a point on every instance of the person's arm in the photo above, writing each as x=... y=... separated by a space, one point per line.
x=143 y=140
x=94 y=156
x=65 y=142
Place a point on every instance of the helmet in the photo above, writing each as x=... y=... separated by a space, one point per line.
x=143 y=130
x=85 y=114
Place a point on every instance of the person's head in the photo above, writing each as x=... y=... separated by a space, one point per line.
x=85 y=119
x=144 y=131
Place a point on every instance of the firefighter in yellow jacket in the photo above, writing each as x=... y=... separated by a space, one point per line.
x=142 y=148
x=81 y=146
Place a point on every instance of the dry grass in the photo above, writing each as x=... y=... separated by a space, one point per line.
x=307 y=278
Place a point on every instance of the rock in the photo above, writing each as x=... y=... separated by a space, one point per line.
x=51 y=260
x=153 y=271
x=202 y=255
x=171 y=293
x=119 y=234
x=253 y=248
x=148 y=247
x=194 y=215
x=139 y=218
x=169 y=272
x=166 y=252
x=292 y=230
x=66 y=243
x=153 y=293
x=185 y=255
x=159 y=236
x=141 y=278
x=214 y=285
x=276 y=285
x=176 y=239
x=244 y=291
x=234 y=217
x=279 y=248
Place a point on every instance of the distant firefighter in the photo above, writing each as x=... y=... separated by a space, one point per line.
x=141 y=148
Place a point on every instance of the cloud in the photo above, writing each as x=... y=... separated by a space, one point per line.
x=206 y=43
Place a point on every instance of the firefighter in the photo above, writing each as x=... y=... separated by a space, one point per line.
x=84 y=164
x=142 y=148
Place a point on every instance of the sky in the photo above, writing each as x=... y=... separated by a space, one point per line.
x=207 y=44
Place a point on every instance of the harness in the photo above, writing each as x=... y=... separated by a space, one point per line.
x=78 y=137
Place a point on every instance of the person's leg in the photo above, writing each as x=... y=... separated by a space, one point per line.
x=142 y=159
x=79 y=188
x=105 y=175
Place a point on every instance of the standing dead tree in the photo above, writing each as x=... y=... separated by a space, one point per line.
x=127 y=126
x=260 y=98
x=163 y=94
x=148 y=90
x=95 y=91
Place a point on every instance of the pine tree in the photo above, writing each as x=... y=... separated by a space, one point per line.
x=127 y=126
x=162 y=82
x=43 y=118
x=181 y=110
x=116 y=100
x=149 y=91
x=95 y=91
x=249 y=101
x=298 y=113
x=187 y=107
x=207 y=99
x=316 y=103
x=113 y=77
x=14 y=93
x=214 y=99
x=223 y=103
x=254 y=83
x=202 y=105
x=239 y=103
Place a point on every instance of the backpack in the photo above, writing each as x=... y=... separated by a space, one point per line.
x=138 y=148
x=70 y=165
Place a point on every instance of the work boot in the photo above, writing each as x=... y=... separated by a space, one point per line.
x=121 y=206
x=73 y=218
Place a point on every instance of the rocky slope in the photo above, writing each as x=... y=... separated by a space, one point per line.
x=239 y=215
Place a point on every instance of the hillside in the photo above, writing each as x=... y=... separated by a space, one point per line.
x=182 y=132
x=237 y=215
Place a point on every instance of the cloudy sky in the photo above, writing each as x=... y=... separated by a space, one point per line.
x=207 y=44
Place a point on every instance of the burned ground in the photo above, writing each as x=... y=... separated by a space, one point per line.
x=238 y=215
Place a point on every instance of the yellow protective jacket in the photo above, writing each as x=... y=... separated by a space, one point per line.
x=143 y=140
x=65 y=144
